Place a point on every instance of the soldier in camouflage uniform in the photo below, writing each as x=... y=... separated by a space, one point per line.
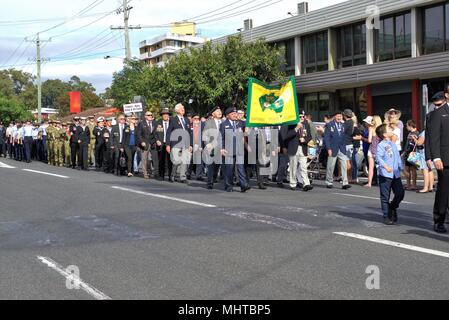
x=59 y=145
x=91 y=147
x=50 y=142
x=66 y=145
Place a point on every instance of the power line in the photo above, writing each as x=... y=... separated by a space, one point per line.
x=40 y=21
x=213 y=11
x=12 y=54
x=79 y=14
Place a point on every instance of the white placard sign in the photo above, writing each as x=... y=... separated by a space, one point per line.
x=132 y=108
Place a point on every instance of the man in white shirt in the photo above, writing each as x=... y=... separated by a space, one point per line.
x=27 y=140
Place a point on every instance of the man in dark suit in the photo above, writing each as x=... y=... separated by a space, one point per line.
x=232 y=133
x=98 y=133
x=283 y=159
x=74 y=141
x=335 y=143
x=2 y=140
x=438 y=135
x=118 y=141
x=196 y=165
x=180 y=144
x=146 y=141
x=162 y=142
x=83 y=136
x=297 y=140
x=212 y=149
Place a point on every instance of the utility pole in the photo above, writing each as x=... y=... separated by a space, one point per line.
x=39 y=60
x=126 y=27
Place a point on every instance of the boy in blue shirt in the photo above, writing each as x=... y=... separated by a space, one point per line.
x=390 y=167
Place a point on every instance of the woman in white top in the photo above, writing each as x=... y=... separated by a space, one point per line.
x=393 y=124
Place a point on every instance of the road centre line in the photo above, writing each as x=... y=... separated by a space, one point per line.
x=371 y=198
x=155 y=195
x=97 y=294
x=46 y=173
x=394 y=244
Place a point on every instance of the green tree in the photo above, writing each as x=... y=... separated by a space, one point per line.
x=12 y=109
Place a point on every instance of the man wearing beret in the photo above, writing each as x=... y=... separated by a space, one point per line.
x=232 y=134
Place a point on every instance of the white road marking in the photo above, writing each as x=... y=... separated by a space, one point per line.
x=4 y=165
x=46 y=173
x=273 y=221
x=394 y=244
x=97 y=294
x=155 y=195
x=365 y=197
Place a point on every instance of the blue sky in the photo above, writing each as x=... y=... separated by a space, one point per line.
x=79 y=44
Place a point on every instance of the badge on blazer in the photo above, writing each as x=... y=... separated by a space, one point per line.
x=116 y=134
x=127 y=130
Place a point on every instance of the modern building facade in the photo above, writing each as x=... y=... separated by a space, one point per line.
x=365 y=55
x=158 y=50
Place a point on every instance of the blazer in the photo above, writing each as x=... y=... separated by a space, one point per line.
x=145 y=134
x=115 y=136
x=239 y=132
x=439 y=135
x=175 y=124
x=159 y=132
x=127 y=136
x=2 y=134
x=292 y=139
x=83 y=135
x=335 y=140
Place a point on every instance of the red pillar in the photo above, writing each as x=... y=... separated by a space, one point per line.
x=369 y=100
x=416 y=102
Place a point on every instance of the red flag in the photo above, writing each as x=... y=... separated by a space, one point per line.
x=75 y=102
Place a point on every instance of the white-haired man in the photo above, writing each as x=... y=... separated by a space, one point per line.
x=180 y=144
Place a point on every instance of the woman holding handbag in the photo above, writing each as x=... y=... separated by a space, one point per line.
x=411 y=168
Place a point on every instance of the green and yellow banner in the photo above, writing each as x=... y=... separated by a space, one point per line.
x=272 y=105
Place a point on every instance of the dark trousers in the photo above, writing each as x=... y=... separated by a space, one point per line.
x=441 y=197
x=99 y=153
x=73 y=153
x=10 y=151
x=83 y=156
x=34 y=150
x=282 y=167
x=18 y=152
x=3 y=148
x=28 y=144
x=108 y=162
x=229 y=174
x=130 y=153
x=212 y=173
x=164 y=161
x=387 y=185
x=44 y=148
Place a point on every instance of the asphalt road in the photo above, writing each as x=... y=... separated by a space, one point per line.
x=136 y=239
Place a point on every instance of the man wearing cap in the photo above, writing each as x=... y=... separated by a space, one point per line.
x=437 y=134
x=83 y=136
x=74 y=146
x=162 y=142
x=146 y=141
x=97 y=133
x=232 y=134
x=213 y=146
x=118 y=142
x=91 y=148
x=334 y=138
x=180 y=144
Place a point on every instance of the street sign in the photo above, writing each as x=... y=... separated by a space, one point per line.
x=132 y=108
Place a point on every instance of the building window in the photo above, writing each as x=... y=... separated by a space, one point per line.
x=317 y=105
x=289 y=53
x=436 y=29
x=394 y=38
x=352 y=45
x=315 y=53
x=354 y=99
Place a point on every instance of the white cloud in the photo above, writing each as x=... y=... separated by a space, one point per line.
x=146 y=12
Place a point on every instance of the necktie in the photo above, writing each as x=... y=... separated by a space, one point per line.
x=121 y=133
x=165 y=132
x=183 y=123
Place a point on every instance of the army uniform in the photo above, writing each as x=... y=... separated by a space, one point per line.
x=51 y=143
x=66 y=145
x=58 y=145
x=91 y=147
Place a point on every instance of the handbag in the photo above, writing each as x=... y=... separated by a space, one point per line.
x=122 y=161
x=415 y=158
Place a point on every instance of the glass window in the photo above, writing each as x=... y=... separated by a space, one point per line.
x=352 y=45
x=394 y=38
x=434 y=22
x=315 y=52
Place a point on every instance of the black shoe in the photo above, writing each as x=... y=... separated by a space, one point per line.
x=293 y=189
x=209 y=187
x=388 y=221
x=440 y=228
x=246 y=189
x=229 y=190
x=183 y=182
x=394 y=213
x=330 y=187
x=262 y=186
x=299 y=185
x=200 y=179
x=346 y=187
x=281 y=185
x=307 y=188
